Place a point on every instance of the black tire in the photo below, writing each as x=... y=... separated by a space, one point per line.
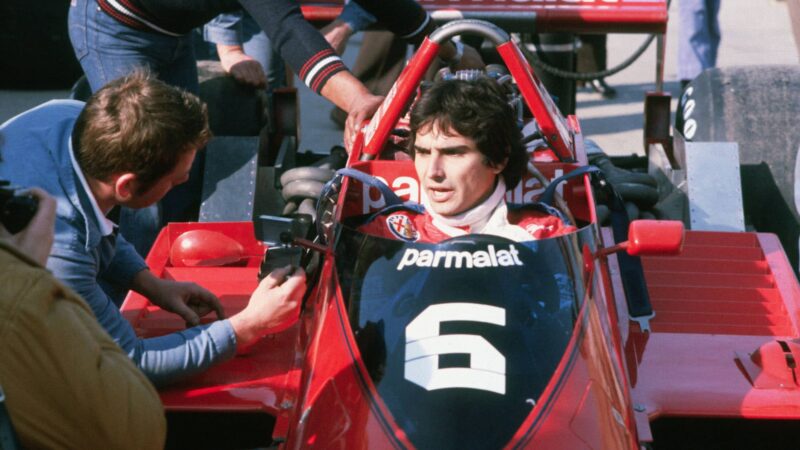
x=757 y=107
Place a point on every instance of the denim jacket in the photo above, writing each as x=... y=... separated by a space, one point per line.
x=34 y=147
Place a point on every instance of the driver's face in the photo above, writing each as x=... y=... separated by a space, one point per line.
x=452 y=171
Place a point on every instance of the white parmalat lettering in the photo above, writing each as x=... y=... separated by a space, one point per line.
x=486 y=369
x=450 y=259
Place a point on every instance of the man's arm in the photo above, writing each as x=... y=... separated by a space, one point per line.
x=297 y=41
x=407 y=19
x=351 y=20
x=226 y=32
x=162 y=359
x=273 y=306
x=313 y=59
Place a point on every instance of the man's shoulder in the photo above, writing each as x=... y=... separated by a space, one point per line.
x=38 y=135
x=50 y=110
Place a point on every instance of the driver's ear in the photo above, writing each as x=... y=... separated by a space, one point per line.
x=125 y=187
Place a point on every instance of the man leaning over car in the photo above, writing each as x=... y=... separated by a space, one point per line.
x=128 y=145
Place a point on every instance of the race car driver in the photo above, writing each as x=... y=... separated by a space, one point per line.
x=467 y=152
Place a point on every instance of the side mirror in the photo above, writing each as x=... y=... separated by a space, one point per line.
x=650 y=237
x=655 y=237
x=205 y=248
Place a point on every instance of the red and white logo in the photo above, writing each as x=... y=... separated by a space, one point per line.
x=401 y=226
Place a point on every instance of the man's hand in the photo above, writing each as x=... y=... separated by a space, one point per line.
x=346 y=92
x=242 y=68
x=273 y=307
x=188 y=300
x=337 y=33
x=36 y=239
x=361 y=109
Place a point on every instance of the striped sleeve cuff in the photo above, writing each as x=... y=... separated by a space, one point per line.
x=320 y=68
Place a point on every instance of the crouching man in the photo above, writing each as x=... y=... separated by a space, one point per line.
x=467 y=151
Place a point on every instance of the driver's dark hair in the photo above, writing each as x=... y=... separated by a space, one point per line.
x=479 y=110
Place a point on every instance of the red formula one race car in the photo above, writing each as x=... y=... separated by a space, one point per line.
x=613 y=337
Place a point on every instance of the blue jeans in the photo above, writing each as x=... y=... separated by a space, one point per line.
x=107 y=49
x=698 y=37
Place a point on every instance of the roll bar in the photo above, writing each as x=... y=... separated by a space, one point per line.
x=547 y=115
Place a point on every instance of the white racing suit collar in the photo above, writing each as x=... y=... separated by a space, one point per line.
x=489 y=217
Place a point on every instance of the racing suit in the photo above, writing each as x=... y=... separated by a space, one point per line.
x=492 y=216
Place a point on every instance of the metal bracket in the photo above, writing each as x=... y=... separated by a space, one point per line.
x=644 y=321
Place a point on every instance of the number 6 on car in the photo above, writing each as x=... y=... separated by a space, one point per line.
x=424 y=344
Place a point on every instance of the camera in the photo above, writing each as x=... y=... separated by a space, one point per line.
x=16 y=210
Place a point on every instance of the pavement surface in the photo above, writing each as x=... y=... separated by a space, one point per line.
x=753 y=32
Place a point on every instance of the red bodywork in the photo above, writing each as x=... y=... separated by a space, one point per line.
x=724 y=297
x=578 y=16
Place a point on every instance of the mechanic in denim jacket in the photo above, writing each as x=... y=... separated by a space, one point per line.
x=128 y=145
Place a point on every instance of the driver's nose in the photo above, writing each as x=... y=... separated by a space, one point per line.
x=435 y=169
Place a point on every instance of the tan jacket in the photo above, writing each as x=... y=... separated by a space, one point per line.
x=67 y=384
